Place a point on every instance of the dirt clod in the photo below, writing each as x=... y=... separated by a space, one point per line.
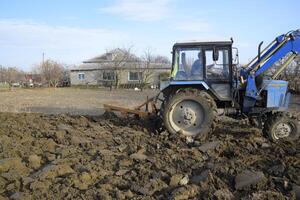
x=209 y=146
x=34 y=161
x=184 y=180
x=248 y=178
x=11 y=163
x=223 y=194
x=296 y=190
x=175 y=179
x=84 y=180
x=200 y=178
x=138 y=156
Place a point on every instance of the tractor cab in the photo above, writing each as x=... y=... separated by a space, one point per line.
x=208 y=64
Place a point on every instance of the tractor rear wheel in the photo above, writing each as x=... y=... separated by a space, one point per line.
x=281 y=126
x=190 y=113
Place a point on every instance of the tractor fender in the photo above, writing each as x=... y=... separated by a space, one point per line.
x=199 y=83
x=167 y=84
x=170 y=87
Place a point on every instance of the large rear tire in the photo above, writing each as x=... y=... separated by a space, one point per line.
x=190 y=113
x=282 y=126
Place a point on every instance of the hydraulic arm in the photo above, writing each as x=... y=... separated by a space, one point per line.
x=279 y=48
x=283 y=45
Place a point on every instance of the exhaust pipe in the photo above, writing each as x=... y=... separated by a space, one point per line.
x=259 y=50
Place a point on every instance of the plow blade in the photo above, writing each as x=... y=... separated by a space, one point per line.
x=137 y=111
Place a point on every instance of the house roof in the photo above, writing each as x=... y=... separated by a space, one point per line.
x=122 y=58
x=108 y=66
x=114 y=55
x=87 y=67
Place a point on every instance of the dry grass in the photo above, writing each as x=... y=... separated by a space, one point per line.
x=68 y=100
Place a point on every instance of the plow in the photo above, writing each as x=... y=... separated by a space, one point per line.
x=144 y=110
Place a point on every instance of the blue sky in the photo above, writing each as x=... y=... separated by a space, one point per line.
x=71 y=31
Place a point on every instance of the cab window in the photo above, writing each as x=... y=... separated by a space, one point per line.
x=189 y=64
x=218 y=69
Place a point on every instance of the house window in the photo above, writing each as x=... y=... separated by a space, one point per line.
x=108 y=76
x=134 y=76
x=81 y=76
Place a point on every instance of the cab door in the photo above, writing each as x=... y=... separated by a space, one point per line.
x=218 y=71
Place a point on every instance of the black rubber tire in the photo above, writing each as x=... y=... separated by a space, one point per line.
x=275 y=119
x=201 y=97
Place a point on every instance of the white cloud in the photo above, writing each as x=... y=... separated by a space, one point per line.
x=139 y=10
x=26 y=40
x=193 y=26
x=31 y=34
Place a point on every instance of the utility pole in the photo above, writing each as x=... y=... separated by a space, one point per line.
x=43 y=59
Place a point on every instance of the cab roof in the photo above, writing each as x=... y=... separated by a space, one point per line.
x=202 y=43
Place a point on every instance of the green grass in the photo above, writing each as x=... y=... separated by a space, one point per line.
x=4 y=87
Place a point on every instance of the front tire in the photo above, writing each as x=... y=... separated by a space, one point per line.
x=281 y=126
x=190 y=114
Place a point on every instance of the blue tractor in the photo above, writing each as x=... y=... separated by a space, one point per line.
x=205 y=82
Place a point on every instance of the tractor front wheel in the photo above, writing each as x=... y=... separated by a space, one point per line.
x=190 y=114
x=281 y=126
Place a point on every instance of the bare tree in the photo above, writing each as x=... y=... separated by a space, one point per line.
x=2 y=74
x=161 y=59
x=52 y=72
x=297 y=68
x=119 y=58
x=291 y=73
x=151 y=61
x=14 y=75
x=11 y=75
x=145 y=67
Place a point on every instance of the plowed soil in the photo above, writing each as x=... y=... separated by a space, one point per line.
x=106 y=157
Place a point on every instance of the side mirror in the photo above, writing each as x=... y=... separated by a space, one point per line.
x=215 y=55
x=235 y=56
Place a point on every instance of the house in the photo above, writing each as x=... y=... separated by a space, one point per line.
x=120 y=68
x=32 y=80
